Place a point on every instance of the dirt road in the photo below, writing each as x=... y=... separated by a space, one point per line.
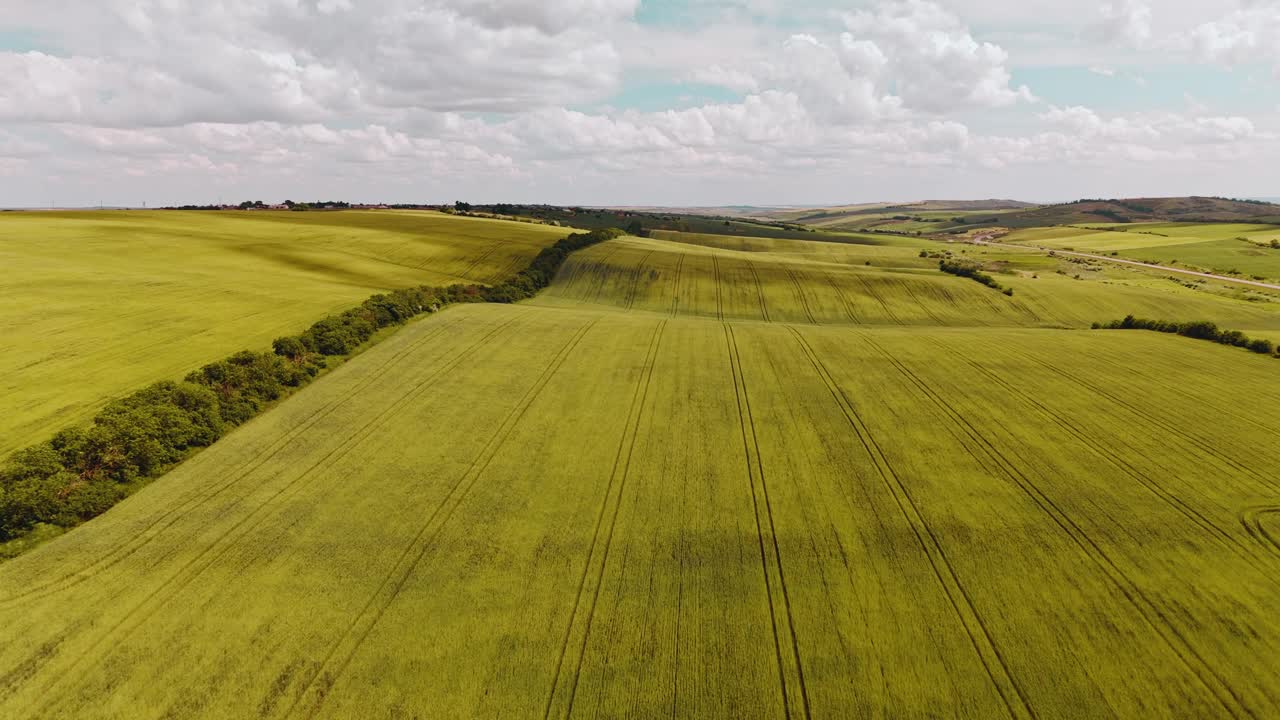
x=985 y=240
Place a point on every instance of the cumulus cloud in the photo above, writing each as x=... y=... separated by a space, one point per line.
x=491 y=94
x=933 y=58
x=166 y=62
x=1127 y=22
x=1247 y=35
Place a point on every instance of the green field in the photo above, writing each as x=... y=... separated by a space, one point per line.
x=1221 y=248
x=704 y=477
x=886 y=283
x=102 y=303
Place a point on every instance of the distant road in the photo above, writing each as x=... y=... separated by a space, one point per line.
x=985 y=240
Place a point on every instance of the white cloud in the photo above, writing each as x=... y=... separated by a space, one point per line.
x=934 y=60
x=169 y=62
x=1126 y=21
x=513 y=97
x=1247 y=35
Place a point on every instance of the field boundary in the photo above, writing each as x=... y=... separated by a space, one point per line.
x=195 y=499
x=261 y=512
x=140 y=443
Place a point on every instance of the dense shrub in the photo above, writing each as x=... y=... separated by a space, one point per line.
x=81 y=472
x=969 y=270
x=1197 y=329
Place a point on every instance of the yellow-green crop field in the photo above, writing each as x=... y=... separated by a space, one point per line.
x=831 y=283
x=1241 y=248
x=101 y=303
x=697 y=479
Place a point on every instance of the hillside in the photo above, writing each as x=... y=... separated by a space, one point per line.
x=105 y=302
x=714 y=477
x=827 y=216
x=901 y=218
x=1177 y=209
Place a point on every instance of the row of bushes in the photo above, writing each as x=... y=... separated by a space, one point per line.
x=1198 y=329
x=82 y=472
x=973 y=272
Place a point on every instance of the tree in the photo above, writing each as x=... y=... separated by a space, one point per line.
x=1262 y=346
x=289 y=347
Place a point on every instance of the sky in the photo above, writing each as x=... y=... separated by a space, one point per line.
x=635 y=102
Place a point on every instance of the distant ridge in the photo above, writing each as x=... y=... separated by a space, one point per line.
x=1170 y=209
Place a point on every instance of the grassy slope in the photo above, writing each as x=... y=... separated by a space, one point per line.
x=1175 y=209
x=1217 y=247
x=607 y=505
x=831 y=283
x=106 y=302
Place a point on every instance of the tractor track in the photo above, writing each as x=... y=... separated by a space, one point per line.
x=617 y=477
x=426 y=535
x=751 y=447
x=1145 y=608
x=176 y=582
x=997 y=669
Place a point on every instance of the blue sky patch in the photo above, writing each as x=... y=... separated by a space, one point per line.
x=1143 y=89
x=21 y=41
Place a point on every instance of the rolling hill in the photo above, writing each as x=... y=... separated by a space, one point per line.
x=704 y=476
x=1176 y=209
x=106 y=302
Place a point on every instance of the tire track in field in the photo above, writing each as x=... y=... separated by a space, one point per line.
x=259 y=513
x=1155 y=420
x=587 y=291
x=923 y=306
x=617 y=477
x=715 y=266
x=997 y=669
x=416 y=549
x=1206 y=402
x=751 y=448
x=764 y=306
x=682 y=551
x=1145 y=608
x=635 y=280
x=884 y=305
x=175 y=514
x=804 y=302
x=568 y=281
x=844 y=299
x=1253 y=520
x=1116 y=460
x=482 y=257
x=602 y=277
x=675 y=293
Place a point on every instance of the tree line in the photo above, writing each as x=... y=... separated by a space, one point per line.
x=83 y=471
x=1197 y=329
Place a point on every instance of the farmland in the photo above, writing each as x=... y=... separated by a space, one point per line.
x=1222 y=248
x=884 y=282
x=108 y=301
x=705 y=476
